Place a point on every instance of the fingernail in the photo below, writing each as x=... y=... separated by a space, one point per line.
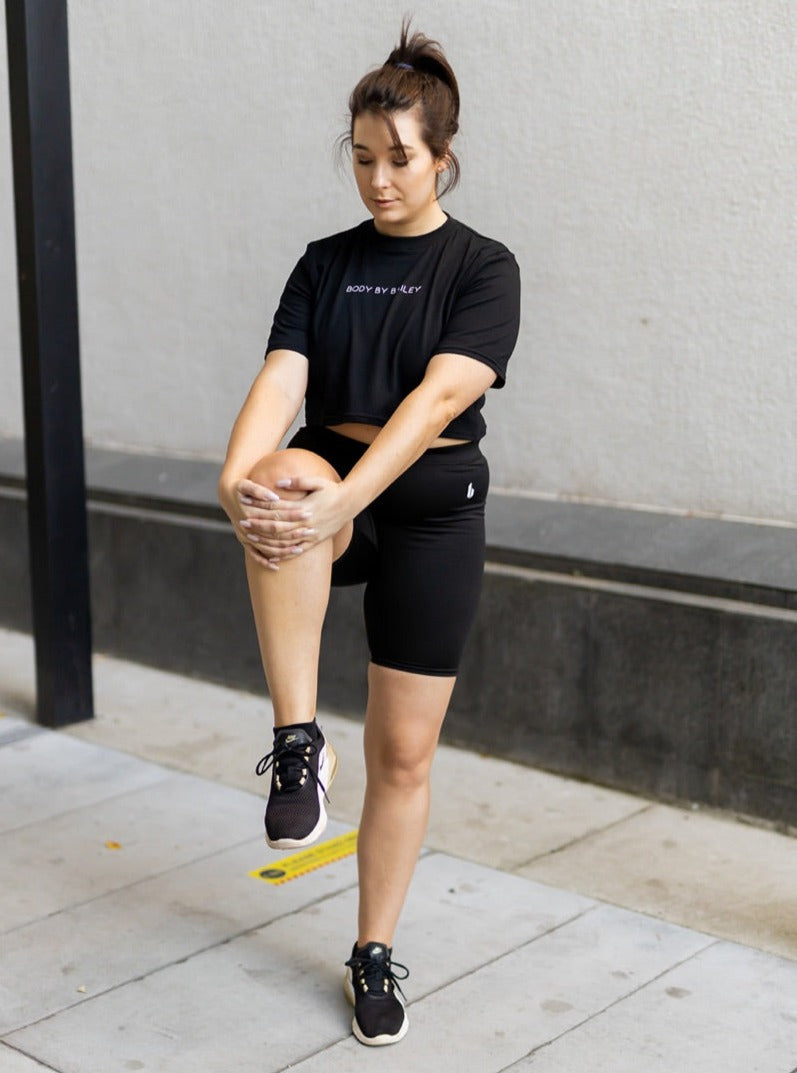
x=245 y=523
x=245 y=500
x=253 y=537
x=286 y=483
x=272 y=496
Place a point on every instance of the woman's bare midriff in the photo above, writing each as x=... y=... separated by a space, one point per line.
x=368 y=433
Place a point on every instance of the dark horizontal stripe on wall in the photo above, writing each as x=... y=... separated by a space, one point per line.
x=755 y=563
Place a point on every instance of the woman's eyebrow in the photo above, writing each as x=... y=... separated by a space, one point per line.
x=400 y=148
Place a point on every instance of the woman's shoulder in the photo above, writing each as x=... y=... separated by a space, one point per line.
x=478 y=258
x=478 y=245
x=340 y=240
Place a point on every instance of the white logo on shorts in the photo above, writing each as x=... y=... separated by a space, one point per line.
x=471 y=491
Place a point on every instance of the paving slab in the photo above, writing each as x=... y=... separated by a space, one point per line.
x=12 y=1061
x=44 y=775
x=720 y=876
x=547 y=812
x=64 y=860
x=255 y=1004
x=13 y=728
x=273 y=996
x=485 y=1020
x=182 y=723
x=728 y=1008
x=90 y=948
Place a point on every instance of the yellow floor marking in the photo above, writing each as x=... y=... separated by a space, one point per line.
x=298 y=864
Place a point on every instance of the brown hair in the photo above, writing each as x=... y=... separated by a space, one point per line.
x=415 y=74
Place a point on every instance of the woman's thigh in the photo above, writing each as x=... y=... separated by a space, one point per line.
x=422 y=598
x=421 y=603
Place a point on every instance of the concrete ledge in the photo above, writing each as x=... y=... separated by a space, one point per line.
x=668 y=667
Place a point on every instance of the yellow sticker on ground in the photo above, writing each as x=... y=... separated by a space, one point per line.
x=298 y=864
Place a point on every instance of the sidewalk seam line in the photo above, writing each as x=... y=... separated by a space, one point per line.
x=128 y=886
x=583 y=838
x=542 y=935
x=92 y=804
x=176 y=961
x=27 y=1054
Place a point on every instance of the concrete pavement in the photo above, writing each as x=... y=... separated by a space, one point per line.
x=552 y=925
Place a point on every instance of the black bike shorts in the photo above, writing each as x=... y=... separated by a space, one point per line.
x=419 y=549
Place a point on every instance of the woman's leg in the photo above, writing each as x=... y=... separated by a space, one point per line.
x=402 y=726
x=289 y=605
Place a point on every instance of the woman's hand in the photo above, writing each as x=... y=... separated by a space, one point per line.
x=325 y=508
x=274 y=528
x=267 y=527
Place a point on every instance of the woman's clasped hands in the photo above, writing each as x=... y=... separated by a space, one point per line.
x=279 y=524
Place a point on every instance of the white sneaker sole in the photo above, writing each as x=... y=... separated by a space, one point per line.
x=372 y=1041
x=327 y=769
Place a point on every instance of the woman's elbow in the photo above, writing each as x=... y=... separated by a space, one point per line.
x=445 y=410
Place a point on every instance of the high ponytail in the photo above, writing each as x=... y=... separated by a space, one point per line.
x=416 y=74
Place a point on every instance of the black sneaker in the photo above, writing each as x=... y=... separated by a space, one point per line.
x=302 y=768
x=370 y=984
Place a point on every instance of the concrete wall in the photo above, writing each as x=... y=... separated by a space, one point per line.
x=638 y=156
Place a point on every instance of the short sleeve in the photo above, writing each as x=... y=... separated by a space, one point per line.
x=485 y=316
x=290 y=329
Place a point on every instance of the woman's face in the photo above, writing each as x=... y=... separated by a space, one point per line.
x=399 y=192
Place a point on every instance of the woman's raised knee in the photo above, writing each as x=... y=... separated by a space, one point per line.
x=290 y=462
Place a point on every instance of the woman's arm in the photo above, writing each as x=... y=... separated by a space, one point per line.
x=273 y=402
x=452 y=382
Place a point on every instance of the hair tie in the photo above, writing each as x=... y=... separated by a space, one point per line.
x=405 y=66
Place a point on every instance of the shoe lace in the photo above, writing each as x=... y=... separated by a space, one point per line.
x=290 y=763
x=375 y=974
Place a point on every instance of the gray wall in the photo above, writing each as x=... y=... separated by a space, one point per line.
x=637 y=155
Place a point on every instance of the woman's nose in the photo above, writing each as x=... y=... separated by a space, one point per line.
x=379 y=176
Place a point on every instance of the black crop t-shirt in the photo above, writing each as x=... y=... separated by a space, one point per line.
x=368 y=311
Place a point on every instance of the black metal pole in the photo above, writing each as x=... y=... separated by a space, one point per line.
x=41 y=134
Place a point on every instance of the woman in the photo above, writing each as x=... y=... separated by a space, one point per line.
x=390 y=334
